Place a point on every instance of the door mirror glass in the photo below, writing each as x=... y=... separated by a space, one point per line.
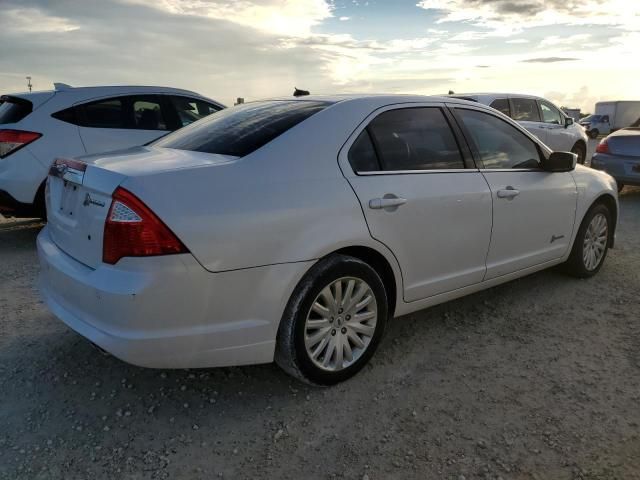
x=568 y=122
x=560 y=162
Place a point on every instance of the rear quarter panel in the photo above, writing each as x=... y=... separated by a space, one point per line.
x=286 y=202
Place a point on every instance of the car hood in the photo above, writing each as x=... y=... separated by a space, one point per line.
x=148 y=160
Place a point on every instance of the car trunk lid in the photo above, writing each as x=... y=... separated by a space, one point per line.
x=625 y=142
x=80 y=192
x=78 y=200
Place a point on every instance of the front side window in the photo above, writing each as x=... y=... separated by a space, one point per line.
x=240 y=130
x=550 y=114
x=498 y=144
x=147 y=114
x=502 y=105
x=415 y=139
x=525 y=110
x=190 y=110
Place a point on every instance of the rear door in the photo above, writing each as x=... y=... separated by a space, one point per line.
x=525 y=111
x=121 y=122
x=421 y=197
x=533 y=210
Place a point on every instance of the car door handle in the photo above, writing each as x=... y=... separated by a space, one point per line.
x=508 y=193
x=388 y=201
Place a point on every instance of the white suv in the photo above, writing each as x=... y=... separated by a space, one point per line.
x=38 y=127
x=541 y=117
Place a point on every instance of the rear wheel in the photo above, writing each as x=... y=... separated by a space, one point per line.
x=591 y=244
x=333 y=322
x=580 y=150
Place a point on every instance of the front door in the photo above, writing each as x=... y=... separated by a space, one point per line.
x=533 y=210
x=559 y=137
x=525 y=111
x=419 y=199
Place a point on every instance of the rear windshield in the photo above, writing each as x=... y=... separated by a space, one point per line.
x=13 y=110
x=240 y=130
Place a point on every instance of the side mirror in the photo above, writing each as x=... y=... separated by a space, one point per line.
x=560 y=162
x=568 y=122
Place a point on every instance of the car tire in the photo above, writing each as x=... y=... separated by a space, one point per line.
x=320 y=341
x=580 y=150
x=591 y=243
x=594 y=133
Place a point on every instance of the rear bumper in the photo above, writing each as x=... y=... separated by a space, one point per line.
x=619 y=167
x=169 y=312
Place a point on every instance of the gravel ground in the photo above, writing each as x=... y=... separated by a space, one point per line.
x=535 y=379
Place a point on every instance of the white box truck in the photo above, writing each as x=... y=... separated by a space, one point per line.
x=611 y=116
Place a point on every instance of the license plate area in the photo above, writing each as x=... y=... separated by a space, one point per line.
x=633 y=168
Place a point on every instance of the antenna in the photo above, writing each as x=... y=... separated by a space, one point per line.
x=29 y=83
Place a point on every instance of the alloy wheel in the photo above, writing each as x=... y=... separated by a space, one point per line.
x=595 y=242
x=340 y=324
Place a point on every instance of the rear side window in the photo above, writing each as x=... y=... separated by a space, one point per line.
x=362 y=155
x=502 y=105
x=499 y=145
x=109 y=113
x=190 y=110
x=525 y=110
x=240 y=130
x=415 y=139
x=12 y=110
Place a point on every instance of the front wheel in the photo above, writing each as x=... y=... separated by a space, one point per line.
x=580 y=151
x=591 y=244
x=333 y=322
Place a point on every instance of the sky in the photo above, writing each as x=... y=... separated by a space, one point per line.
x=573 y=52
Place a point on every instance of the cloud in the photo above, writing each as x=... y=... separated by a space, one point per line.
x=571 y=41
x=550 y=60
x=33 y=20
x=344 y=19
x=515 y=15
x=517 y=41
x=282 y=17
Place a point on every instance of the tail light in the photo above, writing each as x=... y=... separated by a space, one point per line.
x=12 y=140
x=133 y=230
x=603 y=146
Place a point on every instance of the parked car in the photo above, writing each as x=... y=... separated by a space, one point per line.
x=619 y=156
x=293 y=229
x=37 y=127
x=612 y=116
x=541 y=117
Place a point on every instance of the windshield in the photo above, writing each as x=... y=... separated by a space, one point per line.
x=591 y=118
x=240 y=130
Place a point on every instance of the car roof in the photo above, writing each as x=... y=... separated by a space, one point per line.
x=73 y=95
x=497 y=95
x=373 y=98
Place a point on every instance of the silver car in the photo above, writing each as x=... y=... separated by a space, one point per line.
x=619 y=156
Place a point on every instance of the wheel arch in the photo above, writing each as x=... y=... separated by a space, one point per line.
x=381 y=265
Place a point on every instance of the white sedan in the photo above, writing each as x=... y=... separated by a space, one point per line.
x=292 y=230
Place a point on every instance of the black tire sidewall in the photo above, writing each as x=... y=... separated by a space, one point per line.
x=347 y=267
x=577 y=260
x=581 y=151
